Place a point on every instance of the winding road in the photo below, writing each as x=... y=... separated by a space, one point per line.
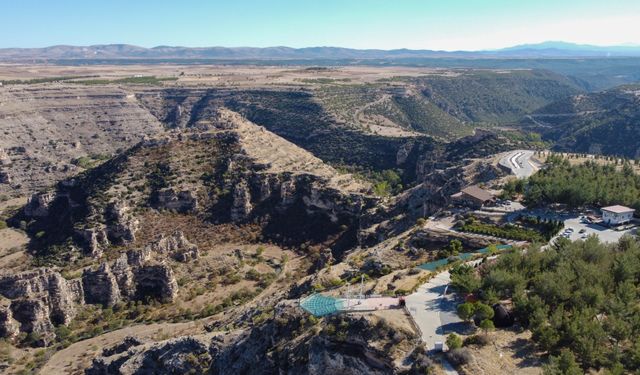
x=519 y=162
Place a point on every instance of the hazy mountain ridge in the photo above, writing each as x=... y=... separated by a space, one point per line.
x=126 y=51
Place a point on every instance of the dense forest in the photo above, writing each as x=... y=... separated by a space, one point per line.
x=579 y=185
x=580 y=300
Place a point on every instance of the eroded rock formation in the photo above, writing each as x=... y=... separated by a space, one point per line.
x=41 y=299
x=181 y=201
x=175 y=245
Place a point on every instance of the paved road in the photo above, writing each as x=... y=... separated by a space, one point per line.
x=519 y=162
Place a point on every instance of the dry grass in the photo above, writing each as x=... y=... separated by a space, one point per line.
x=510 y=353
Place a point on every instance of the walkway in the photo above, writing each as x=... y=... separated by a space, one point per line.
x=433 y=311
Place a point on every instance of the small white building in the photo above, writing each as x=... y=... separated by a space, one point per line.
x=615 y=215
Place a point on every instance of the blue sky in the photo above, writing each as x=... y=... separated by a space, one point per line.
x=387 y=24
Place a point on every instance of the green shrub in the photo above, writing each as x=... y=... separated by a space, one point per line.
x=454 y=341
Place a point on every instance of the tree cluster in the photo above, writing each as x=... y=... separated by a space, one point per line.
x=579 y=300
x=581 y=185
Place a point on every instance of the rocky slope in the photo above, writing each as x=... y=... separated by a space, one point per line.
x=225 y=174
x=52 y=131
x=228 y=211
x=288 y=343
x=221 y=174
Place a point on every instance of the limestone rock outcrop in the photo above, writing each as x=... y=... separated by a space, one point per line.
x=182 y=201
x=121 y=224
x=175 y=245
x=39 y=300
x=156 y=281
x=4 y=157
x=277 y=345
x=174 y=356
x=100 y=286
x=38 y=204
x=93 y=240
x=132 y=276
x=9 y=327
x=116 y=226
x=121 y=347
x=241 y=206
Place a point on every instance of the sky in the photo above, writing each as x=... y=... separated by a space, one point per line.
x=385 y=24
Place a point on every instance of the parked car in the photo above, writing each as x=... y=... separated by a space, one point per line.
x=582 y=230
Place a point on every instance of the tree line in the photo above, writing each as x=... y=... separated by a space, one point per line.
x=578 y=185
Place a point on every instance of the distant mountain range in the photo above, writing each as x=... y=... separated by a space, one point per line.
x=125 y=51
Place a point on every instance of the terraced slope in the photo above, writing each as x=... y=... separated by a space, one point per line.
x=54 y=131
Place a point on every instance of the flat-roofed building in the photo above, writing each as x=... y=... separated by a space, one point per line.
x=616 y=215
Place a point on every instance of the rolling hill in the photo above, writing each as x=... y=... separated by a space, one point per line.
x=606 y=122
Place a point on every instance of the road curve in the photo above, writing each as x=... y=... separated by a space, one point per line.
x=519 y=162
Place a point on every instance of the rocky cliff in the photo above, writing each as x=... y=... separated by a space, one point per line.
x=285 y=344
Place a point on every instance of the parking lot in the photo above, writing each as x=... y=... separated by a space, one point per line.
x=581 y=230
